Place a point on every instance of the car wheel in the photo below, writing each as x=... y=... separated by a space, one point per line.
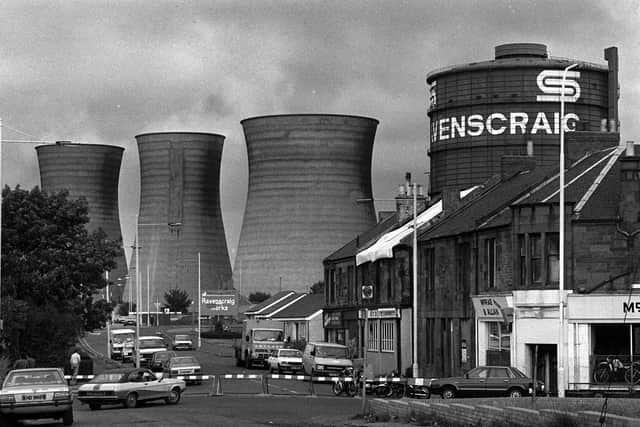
x=515 y=393
x=67 y=417
x=94 y=406
x=448 y=393
x=174 y=397
x=131 y=401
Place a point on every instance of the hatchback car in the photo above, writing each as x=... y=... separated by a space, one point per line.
x=183 y=366
x=182 y=342
x=129 y=387
x=148 y=346
x=34 y=394
x=486 y=381
x=323 y=358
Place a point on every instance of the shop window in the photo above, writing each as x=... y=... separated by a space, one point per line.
x=535 y=251
x=373 y=338
x=387 y=335
x=490 y=263
x=499 y=336
x=553 y=258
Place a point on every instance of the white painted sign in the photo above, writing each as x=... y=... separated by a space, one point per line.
x=603 y=308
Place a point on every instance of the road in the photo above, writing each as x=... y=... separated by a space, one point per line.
x=221 y=411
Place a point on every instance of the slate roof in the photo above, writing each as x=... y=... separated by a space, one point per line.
x=303 y=308
x=364 y=240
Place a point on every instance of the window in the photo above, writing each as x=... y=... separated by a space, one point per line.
x=387 y=335
x=373 y=336
x=490 y=263
x=350 y=283
x=553 y=258
x=522 y=262
x=536 y=258
x=332 y=286
x=431 y=265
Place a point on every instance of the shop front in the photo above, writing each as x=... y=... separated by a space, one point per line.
x=389 y=339
x=604 y=339
x=341 y=327
x=494 y=326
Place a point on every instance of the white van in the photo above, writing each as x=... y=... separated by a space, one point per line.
x=324 y=358
x=122 y=342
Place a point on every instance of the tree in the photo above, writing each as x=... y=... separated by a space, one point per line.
x=51 y=269
x=177 y=300
x=317 y=288
x=258 y=297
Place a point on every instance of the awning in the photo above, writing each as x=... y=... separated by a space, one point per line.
x=383 y=247
x=496 y=308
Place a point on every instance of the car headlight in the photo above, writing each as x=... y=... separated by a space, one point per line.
x=319 y=367
x=7 y=398
x=61 y=395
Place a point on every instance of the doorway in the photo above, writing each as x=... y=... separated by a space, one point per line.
x=544 y=366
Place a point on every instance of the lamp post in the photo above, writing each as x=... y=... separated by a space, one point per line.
x=415 y=280
x=561 y=343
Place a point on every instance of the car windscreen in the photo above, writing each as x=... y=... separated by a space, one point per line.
x=163 y=356
x=120 y=338
x=517 y=373
x=267 y=335
x=151 y=343
x=184 y=360
x=39 y=377
x=290 y=353
x=109 y=377
x=183 y=338
x=335 y=352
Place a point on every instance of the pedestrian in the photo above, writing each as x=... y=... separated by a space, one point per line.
x=75 y=365
x=21 y=363
x=31 y=362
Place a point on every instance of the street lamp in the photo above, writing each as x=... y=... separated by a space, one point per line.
x=199 y=301
x=561 y=346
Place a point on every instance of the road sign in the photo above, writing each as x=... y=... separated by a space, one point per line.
x=367 y=291
x=220 y=303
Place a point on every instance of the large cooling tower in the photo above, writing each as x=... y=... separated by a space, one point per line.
x=90 y=171
x=309 y=193
x=180 y=215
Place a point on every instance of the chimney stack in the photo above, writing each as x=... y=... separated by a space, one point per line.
x=629 y=202
x=404 y=199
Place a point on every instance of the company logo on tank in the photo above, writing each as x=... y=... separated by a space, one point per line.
x=513 y=123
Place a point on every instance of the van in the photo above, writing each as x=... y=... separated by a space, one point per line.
x=122 y=343
x=324 y=358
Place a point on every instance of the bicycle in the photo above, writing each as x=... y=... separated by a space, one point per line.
x=613 y=370
x=341 y=386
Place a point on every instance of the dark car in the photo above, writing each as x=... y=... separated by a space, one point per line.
x=159 y=359
x=486 y=381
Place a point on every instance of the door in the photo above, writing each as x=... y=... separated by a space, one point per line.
x=474 y=382
x=497 y=381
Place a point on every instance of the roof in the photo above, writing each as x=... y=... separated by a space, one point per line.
x=274 y=304
x=307 y=307
x=488 y=203
x=383 y=248
x=365 y=239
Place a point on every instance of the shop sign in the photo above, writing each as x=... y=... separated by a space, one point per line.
x=333 y=320
x=603 y=307
x=380 y=313
x=490 y=308
x=221 y=303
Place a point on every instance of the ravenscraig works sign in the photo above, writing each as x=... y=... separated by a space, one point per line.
x=220 y=303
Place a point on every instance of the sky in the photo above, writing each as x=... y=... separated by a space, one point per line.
x=102 y=72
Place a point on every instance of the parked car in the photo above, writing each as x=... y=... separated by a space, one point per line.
x=323 y=358
x=486 y=381
x=183 y=365
x=34 y=394
x=148 y=346
x=128 y=387
x=160 y=359
x=182 y=342
x=285 y=359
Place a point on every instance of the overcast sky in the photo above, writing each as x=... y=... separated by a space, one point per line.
x=103 y=72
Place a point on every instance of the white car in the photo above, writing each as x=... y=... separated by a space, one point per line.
x=34 y=394
x=182 y=365
x=285 y=359
x=182 y=342
x=128 y=387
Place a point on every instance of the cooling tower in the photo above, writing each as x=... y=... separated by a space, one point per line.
x=482 y=111
x=180 y=215
x=309 y=193
x=90 y=171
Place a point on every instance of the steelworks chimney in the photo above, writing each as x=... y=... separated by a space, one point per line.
x=91 y=171
x=180 y=215
x=309 y=193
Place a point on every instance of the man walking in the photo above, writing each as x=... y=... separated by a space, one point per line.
x=75 y=365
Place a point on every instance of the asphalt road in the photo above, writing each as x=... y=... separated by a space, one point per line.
x=221 y=411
